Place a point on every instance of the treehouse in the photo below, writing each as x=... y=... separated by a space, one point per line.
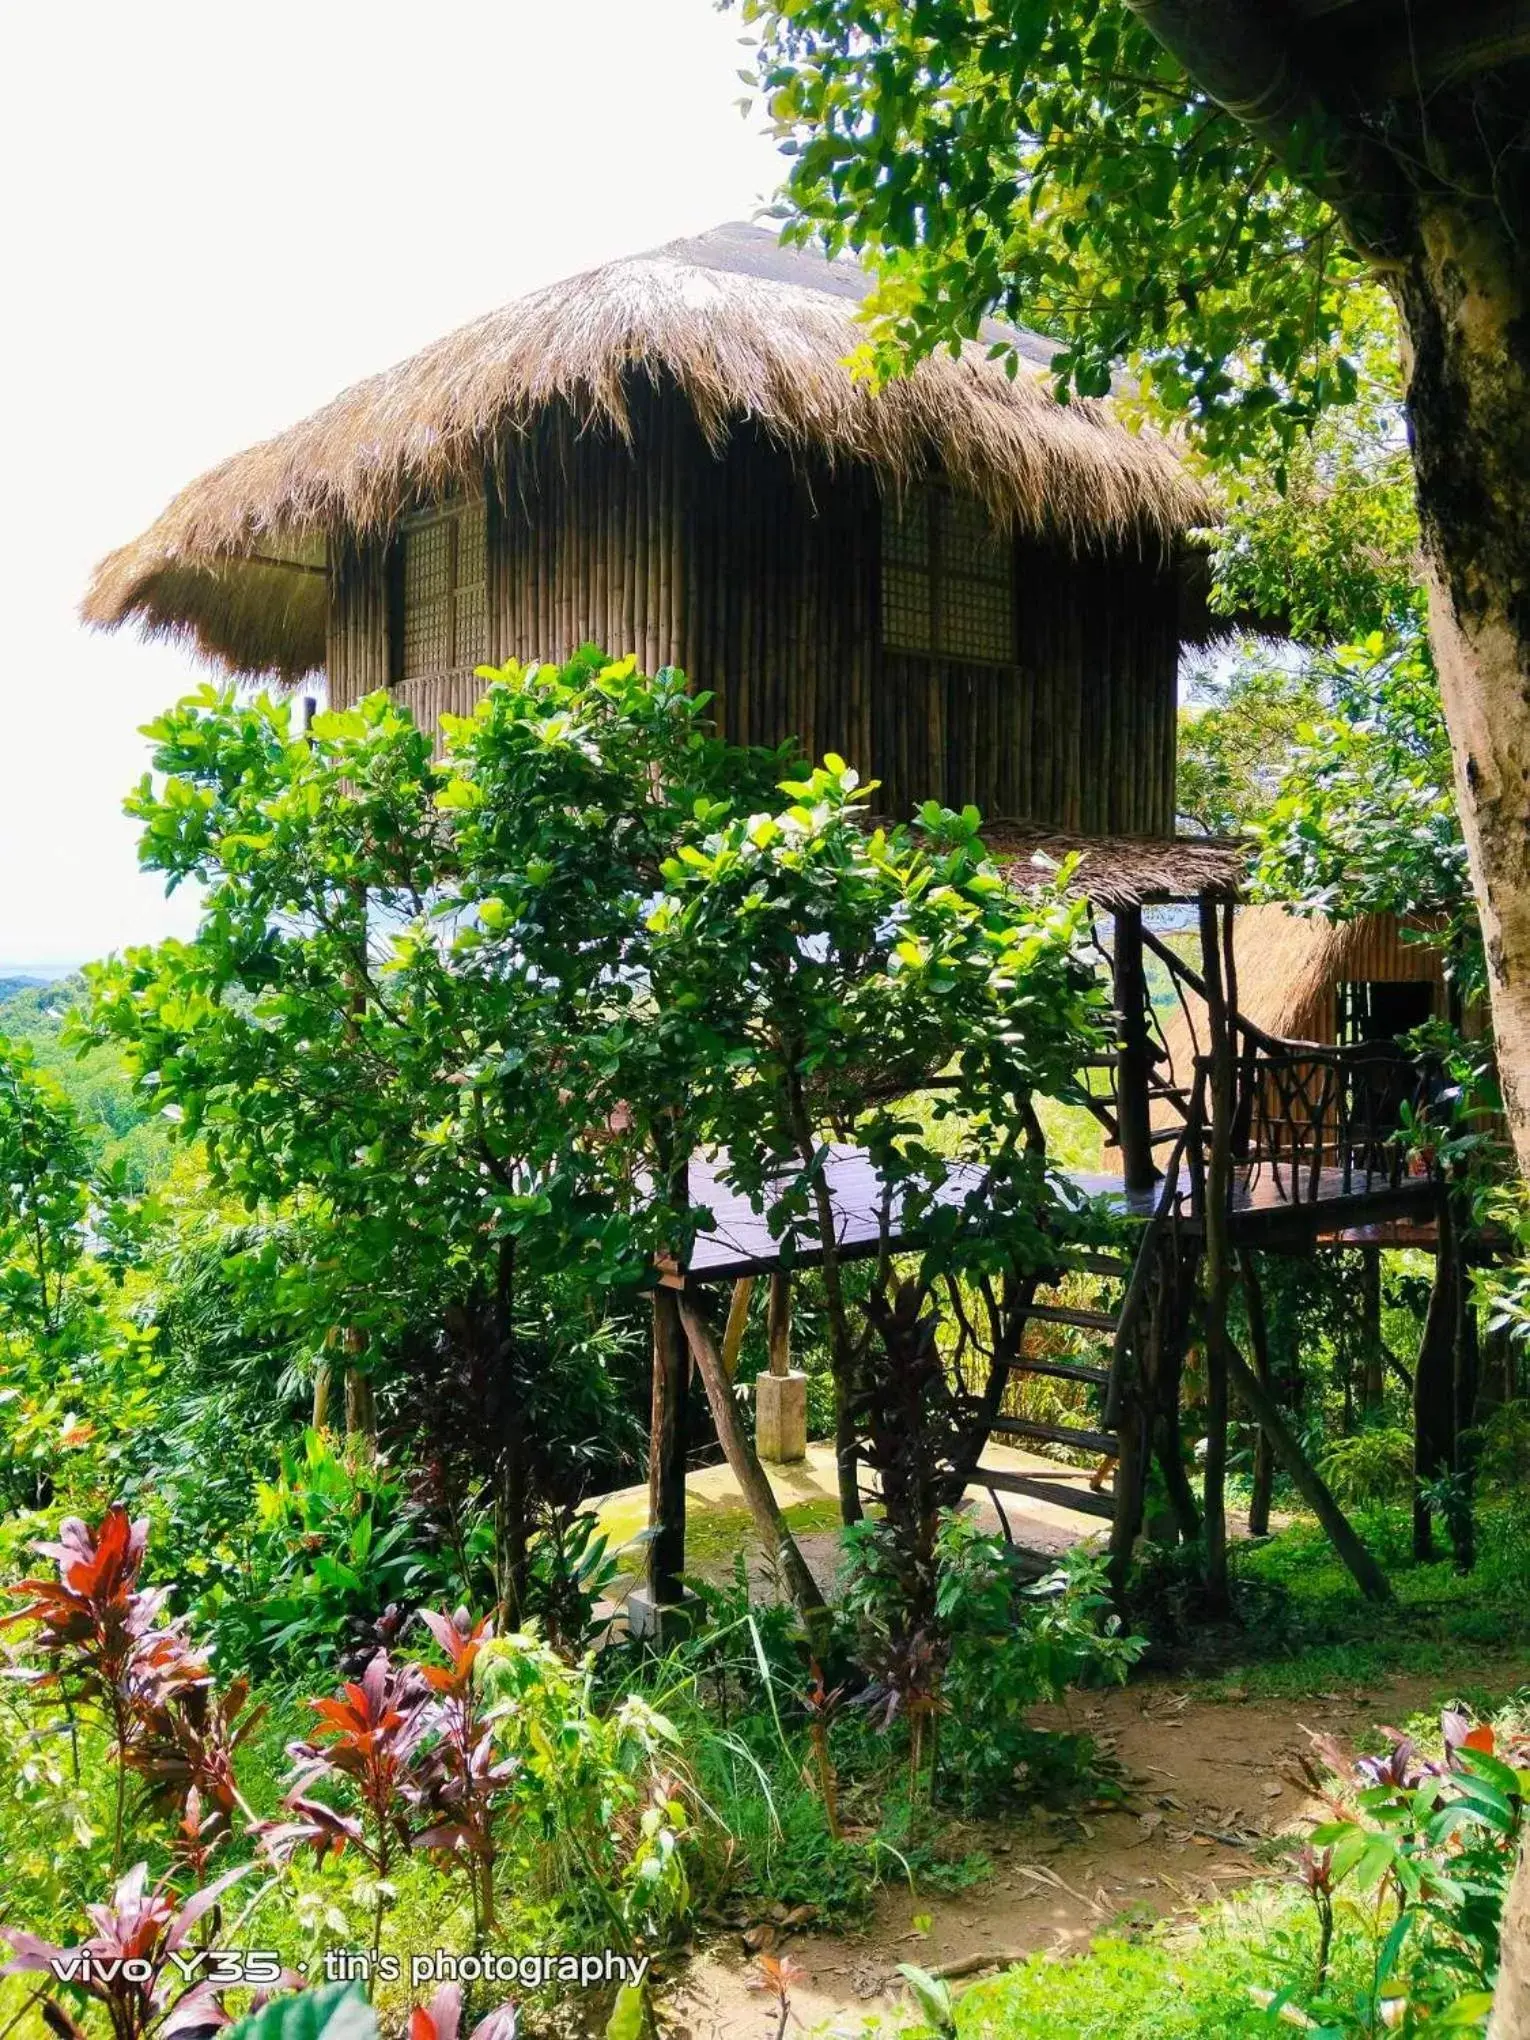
x=970 y=589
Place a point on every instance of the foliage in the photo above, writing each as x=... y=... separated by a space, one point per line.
x=1375 y=1465
x=132 y=1971
x=1325 y=542
x=1051 y=163
x=338 y=1547
x=1367 y=823
x=71 y=1379
x=1013 y=1644
x=1235 y=740
x=1425 y=1849
x=406 y=971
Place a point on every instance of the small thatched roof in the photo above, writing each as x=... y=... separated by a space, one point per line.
x=1122 y=871
x=1289 y=966
x=746 y=331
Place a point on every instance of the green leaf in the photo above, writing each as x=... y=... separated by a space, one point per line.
x=337 y=2011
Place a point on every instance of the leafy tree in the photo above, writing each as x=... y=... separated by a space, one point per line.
x=1235 y=738
x=70 y=1376
x=1366 y=819
x=477 y=1014
x=1219 y=196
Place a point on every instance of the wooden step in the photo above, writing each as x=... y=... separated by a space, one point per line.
x=1058 y=1434
x=1067 y=1314
x=1038 y=1488
x=1062 y=1370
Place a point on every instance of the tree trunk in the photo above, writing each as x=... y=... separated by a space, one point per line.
x=1511 y=2001
x=779 y=1543
x=1464 y=296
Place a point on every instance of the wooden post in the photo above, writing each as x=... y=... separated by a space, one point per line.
x=779 y=1324
x=1309 y=1484
x=667 y=1445
x=1373 y=1354
x=738 y=1449
x=1133 y=1053
x=1264 y=1451
x=738 y=1321
x=1216 y=1223
x=1434 y=1385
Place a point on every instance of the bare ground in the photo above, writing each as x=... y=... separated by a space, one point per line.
x=1210 y=1804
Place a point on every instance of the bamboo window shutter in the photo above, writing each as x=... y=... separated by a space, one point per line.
x=948 y=579
x=444 y=593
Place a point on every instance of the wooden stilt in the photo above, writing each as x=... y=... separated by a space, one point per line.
x=1174 y=1324
x=1133 y=1054
x=1309 y=1483
x=1131 y=1481
x=738 y=1321
x=779 y=1324
x=667 y=1446
x=738 y=1448
x=1259 y=1343
x=1218 y=1250
x=1373 y=1378
x=1434 y=1386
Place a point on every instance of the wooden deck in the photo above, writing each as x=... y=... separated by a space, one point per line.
x=740 y=1240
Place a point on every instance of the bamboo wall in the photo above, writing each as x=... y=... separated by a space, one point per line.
x=760 y=577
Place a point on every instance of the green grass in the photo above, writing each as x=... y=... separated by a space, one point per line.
x=1307 y=1629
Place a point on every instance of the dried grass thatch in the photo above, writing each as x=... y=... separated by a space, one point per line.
x=1289 y=966
x=1122 y=871
x=744 y=330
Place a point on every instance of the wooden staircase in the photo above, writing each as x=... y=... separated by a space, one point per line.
x=1093 y=1367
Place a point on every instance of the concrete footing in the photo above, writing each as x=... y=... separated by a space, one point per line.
x=780 y=1417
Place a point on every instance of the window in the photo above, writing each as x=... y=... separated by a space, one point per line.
x=1381 y=1009
x=948 y=580
x=443 y=592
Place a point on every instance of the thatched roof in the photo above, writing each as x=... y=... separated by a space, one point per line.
x=1122 y=871
x=743 y=329
x=1288 y=966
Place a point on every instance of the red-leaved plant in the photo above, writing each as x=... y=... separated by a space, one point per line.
x=460 y=1782
x=441 y=2019
x=128 y=1965
x=367 y=1735
x=105 y=1643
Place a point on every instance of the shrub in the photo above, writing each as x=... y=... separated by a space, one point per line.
x=1376 y=1465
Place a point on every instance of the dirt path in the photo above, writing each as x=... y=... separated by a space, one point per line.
x=1208 y=1805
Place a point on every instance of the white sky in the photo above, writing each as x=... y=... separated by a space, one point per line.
x=214 y=218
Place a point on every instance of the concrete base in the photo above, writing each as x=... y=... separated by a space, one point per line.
x=780 y=1417
x=653 y=1624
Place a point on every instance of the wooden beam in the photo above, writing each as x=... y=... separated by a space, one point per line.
x=1308 y=1482
x=667 y=1446
x=738 y=1320
x=738 y=1449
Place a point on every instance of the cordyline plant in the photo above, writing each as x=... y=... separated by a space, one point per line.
x=129 y=1965
x=461 y=1785
x=105 y=1643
